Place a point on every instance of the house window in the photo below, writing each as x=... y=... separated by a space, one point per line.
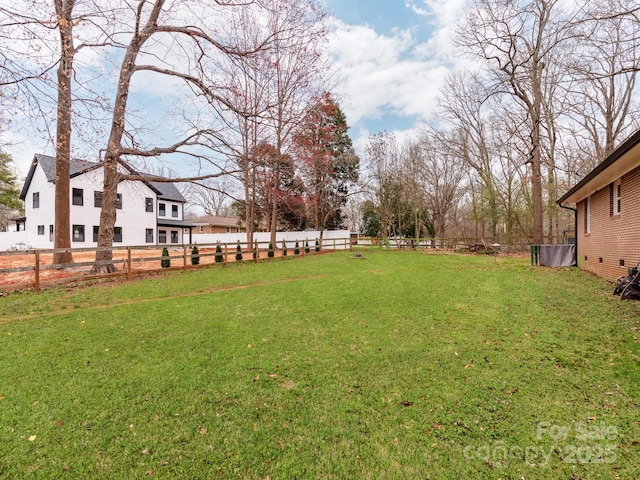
x=162 y=209
x=51 y=233
x=148 y=204
x=119 y=200
x=40 y=229
x=148 y=237
x=162 y=236
x=97 y=199
x=77 y=196
x=36 y=199
x=227 y=229
x=587 y=215
x=117 y=234
x=615 y=197
x=96 y=231
x=174 y=211
x=78 y=233
x=237 y=229
x=201 y=228
x=174 y=236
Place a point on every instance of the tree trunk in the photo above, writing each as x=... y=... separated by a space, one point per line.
x=62 y=230
x=104 y=254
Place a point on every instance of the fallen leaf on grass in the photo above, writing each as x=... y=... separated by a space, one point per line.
x=32 y=438
x=406 y=403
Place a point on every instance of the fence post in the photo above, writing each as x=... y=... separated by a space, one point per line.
x=129 y=263
x=184 y=256
x=226 y=252
x=36 y=272
x=535 y=254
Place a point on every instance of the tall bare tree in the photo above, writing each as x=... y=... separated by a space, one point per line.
x=443 y=175
x=517 y=38
x=178 y=27
x=29 y=56
x=299 y=70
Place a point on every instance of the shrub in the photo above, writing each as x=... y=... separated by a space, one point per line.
x=317 y=245
x=219 y=257
x=165 y=262
x=306 y=246
x=238 y=252
x=284 y=248
x=271 y=252
x=195 y=255
x=296 y=249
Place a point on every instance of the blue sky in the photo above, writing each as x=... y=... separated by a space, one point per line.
x=390 y=57
x=393 y=56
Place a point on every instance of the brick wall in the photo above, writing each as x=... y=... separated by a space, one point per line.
x=614 y=238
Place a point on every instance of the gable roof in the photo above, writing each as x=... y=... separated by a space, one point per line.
x=48 y=164
x=165 y=190
x=621 y=161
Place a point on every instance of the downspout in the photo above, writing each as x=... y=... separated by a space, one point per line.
x=575 y=227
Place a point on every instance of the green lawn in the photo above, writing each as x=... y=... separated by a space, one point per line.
x=396 y=366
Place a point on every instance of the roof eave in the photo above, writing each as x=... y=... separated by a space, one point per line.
x=621 y=161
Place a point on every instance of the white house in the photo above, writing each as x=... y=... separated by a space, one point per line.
x=148 y=212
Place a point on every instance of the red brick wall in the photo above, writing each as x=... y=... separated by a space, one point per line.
x=613 y=237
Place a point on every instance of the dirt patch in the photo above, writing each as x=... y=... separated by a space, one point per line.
x=18 y=272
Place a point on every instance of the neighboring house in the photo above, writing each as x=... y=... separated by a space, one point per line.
x=608 y=212
x=148 y=212
x=215 y=224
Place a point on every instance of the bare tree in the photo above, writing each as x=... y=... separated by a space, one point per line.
x=298 y=67
x=517 y=39
x=213 y=196
x=30 y=23
x=464 y=106
x=443 y=174
x=161 y=20
x=603 y=88
x=382 y=157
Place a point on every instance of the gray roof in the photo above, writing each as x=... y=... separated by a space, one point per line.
x=167 y=191
x=164 y=190
x=174 y=223
x=48 y=164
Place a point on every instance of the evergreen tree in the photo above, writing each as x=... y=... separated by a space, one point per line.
x=165 y=262
x=10 y=204
x=219 y=257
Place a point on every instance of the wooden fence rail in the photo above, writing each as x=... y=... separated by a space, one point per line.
x=34 y=269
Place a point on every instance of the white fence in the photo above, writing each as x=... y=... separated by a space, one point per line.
x=10 y=238
x=263 y=238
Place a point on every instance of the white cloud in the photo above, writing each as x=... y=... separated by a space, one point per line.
x=386 y=74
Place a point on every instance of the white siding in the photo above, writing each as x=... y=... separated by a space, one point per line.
x=44 y=214
x=132 y=218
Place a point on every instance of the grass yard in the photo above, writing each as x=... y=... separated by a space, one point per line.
x=400 y=365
